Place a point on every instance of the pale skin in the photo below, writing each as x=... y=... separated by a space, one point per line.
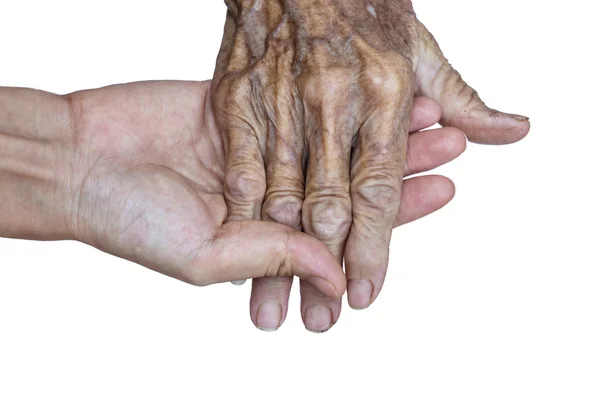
x=313 y=99
x=137 y=171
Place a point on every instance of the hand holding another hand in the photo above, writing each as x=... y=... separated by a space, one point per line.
x=313 y=98
x=140 y=175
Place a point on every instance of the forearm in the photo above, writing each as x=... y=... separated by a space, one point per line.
x=35 y=147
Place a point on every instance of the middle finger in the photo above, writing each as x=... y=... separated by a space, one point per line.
x=327 y=209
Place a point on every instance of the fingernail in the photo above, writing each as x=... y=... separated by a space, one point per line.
x=268 y=317
x=317 y=318
x=519 y=117
x=239 y=283
x=359 y=294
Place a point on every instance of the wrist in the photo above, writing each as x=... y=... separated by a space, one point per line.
x=35 y=152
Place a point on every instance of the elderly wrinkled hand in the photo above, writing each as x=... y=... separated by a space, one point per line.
x=137 y=171
x=313 y=98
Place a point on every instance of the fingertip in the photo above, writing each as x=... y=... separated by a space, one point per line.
x=269 y=316
x=318 y=318
x=425 y=113
x=327 y=287
x=360 y=293
x=428 y=106
x=456 y=142
x=446 y=190
x=424 y=195
x=269 y=301
x=440 y=190
x=494 y=127
x=523 y=130
x=433 y=148
x=326 y=274
x=520 y=118
x=509 y=131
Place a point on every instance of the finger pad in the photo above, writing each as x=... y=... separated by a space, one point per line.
x=425 y=113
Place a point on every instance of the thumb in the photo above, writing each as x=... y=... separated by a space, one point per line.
x=256 y=249
x=461 y=106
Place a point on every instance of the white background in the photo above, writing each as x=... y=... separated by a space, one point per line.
x=497 y=296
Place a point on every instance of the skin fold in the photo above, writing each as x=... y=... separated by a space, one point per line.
x=137 y=170
x=313 y=100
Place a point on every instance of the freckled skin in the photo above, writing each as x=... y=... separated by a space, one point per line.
x=313 y=99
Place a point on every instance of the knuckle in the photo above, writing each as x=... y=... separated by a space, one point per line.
x=382 y=154
x=244 y=183
x=325 y=86
x=377 y=193
x=281 y=265
x=281 y=262
x=387 y=81
x=283 y=209
x=328 y=217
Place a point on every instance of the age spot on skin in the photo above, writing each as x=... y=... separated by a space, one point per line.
x=371 y=10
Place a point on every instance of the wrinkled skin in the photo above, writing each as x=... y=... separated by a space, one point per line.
x=137 y=171
x=313 y=98
x=146 y=181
